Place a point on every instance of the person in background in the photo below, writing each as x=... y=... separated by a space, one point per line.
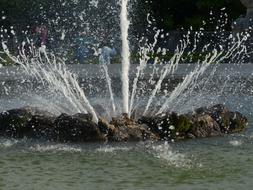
x=41 y=37
x=107 y=53
x=83 y=47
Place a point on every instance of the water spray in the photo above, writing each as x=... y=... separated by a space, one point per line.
x=124 y=25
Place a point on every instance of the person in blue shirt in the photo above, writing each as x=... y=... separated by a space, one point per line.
x=83 y=50
x=107 y=53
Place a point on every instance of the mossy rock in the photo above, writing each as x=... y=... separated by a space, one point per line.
x=237 y=122
x=169 y=126
x=182 y=123
x=205 y=126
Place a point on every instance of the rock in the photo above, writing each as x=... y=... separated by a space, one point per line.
x=26 y=122
x=33 y=123
x=126 y=129
x=204 y=122
x=169 y=126
x=229 y=122
x=219 y=113
x=205 y=126
x=237 y=122
x=106 y=128
x=77 y=128
x=14 y=122
x=41 y=127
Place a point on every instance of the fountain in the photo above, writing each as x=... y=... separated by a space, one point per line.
x=76 y=118
x=65 y=125
x=125 y=55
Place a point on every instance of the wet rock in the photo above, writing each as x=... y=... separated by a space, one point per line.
x=14 y=123
x=205 y=126
x=229 y=122
x=219 y=113
x=77 y=128
x=19 y=123
x=41 y=127
x=106 y=128
x=169 y=125
x=237 y=122
x=33 y=123
x=204 y=122
x=126 y=129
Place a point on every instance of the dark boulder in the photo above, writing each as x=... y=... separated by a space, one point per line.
x=204 y=126
x=14 y=123
x=77 y=128
x=33 y=123
x=125 y=129
x=229 y=122
x=204 y=122
x=41 y=127
x=169 y=125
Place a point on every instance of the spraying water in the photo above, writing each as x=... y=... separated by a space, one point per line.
x=144 y=58
x=61 y=84
x=124 y=25
x=109 y=84
x=54 y=75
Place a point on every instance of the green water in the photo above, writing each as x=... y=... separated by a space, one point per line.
x=216 y=163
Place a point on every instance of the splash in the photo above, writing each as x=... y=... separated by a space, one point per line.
x=166 y=153
x=55 y=77
x=109 y=83
x=144 y=58
x=113 y=149
x=55 y=148
x=65 y=95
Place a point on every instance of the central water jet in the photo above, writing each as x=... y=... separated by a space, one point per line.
x=124 y=25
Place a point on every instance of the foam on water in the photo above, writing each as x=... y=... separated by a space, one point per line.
x=236 y=142
x=111 y=149
x=171 y=157
x=55 y=148
x=8 y=143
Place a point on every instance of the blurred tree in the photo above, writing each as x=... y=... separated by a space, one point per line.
x=167 y=14
x=173 y=15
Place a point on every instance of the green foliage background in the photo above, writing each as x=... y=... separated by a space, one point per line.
x=174 y=14
x=169 y=14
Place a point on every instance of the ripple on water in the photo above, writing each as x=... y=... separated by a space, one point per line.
x=111 y=149
x=55 y=148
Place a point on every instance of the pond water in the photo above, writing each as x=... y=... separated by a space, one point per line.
x=217 y=163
